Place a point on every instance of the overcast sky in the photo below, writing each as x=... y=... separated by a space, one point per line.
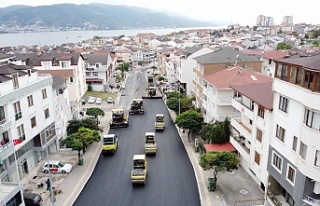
x=244 y=12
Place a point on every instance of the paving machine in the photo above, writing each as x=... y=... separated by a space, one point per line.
x=136 y=107
x=119 y=118
x=151 y=89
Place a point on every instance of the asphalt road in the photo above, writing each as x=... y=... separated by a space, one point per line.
x=170 y=180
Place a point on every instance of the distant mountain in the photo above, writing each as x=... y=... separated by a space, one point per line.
x=98 y=16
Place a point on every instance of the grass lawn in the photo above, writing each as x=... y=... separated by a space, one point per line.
x=103 y=95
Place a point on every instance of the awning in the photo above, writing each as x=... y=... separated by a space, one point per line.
x=94 y=80
x=226 y=147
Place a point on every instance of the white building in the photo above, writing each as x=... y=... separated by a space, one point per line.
x=217 y=94
x=26 y=122
x=185 y=72
x=251 y=127
x=294 y=156
x=99 y=68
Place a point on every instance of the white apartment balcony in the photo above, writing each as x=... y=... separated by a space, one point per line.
x=6 y=150
x=311 y=201
x=241 y=128
x=194 y=81
x=260 y=122
x=238 y=143
x=242 y=108
x=5 y=124
x=205 y=91
x=224 y=102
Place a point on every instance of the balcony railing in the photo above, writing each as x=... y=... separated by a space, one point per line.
x=311 y=201
x=5 y=125
x=274 y=199
x=224 y=102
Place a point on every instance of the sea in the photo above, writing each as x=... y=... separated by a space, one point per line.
x=64 y=37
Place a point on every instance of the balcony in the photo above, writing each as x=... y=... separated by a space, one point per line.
x=224 y=102
x=242 y=108
x=5 y=125
x=277 y=200
x=241 y=128
x=311 y=201
x=6 y=150
x=194 y=81
x=238 y=143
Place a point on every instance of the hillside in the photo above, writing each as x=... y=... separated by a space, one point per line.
x=98 y=16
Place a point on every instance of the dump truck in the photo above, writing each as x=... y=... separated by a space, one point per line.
x=139 y=172
x=150 y=143
x=109 y=143
x=159 y=125
x=136 y=107
x=119 y=118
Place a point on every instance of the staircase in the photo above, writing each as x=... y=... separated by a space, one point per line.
x=249 y=202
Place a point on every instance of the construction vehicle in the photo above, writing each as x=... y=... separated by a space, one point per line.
x=151 y=89
x=136 y=107
x=109 y=144
x=159 y=125
x=139 y=172
x=119 y=118
x=150 y=143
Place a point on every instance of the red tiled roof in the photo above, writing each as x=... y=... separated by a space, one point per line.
x=94 y=80
x=276 y=54
x=224 y=78
x=251 y=51
x=58 y=73
x=226 y=147
x=260 y=93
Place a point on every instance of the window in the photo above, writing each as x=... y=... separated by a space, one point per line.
x=259 y=135
x=44 y=94
x=277 y=161
x=303 y=150
x=257 y=158
x=312 y=119
x=33 y=122
x=46 y=64
x=46 y=113
x=270 y=61
x=95 y=74
x=15 y=81
x=308 y=79
x=236 y=94
x=293 y=75
x=30 y=101
x=280 y=133
x=282 y=72
x=300 y=77
x=261 y=111
x=5 y=136
x=2 y=115
x=291 y=174
x=294 y=143
x=317 y=158
x=283 y=104
x=64 y=64
x=21 y=134
x=17 y=110
x=71 y=79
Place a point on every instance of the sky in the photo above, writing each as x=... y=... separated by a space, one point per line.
x=244 y=12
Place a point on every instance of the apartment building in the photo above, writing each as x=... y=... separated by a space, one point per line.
x=269 y=57
x=126 y=54
x=99 y=68
x=294 y=153
x=251 y=124
x=64 y=65
x=217 y=94
x=215 y=61
x=27 y=125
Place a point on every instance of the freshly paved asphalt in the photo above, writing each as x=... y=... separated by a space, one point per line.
x=170 y=181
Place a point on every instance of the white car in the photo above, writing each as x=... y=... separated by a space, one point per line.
x=98 y=100
x=110 y=100
x=55 y=166
x=92 y=100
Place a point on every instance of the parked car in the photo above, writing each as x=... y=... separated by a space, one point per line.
x=92 y=100
x=55 y=166
x=110 y=100
x=98 y=100
x=32 y=199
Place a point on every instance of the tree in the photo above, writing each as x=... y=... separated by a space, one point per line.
x=95 y=112
x=191 y=119
x=217 y=133
x=73 y=143
x=74 y=125
x=283 y=46
x=89 y=87
x=173 y=104
x=219 y=162
x=124 y=67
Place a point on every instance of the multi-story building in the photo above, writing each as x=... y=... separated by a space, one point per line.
x=269 y=57
x=287 y=21
x=216 y=92
x=215 y=61
x=251 y=124
x=98 y=68
x=145 y=56
x=27 y=123
x=270 y=21
x=185 y=72
x=65 y=65
x=261 y=20
x=294 y=153
x=126 y=54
